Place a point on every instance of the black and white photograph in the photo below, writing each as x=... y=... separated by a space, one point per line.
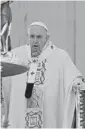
x=42 y=64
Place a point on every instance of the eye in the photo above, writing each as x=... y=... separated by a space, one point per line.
x=39 y=36
x=32 y=36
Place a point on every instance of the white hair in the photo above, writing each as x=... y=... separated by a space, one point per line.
x=38 y=23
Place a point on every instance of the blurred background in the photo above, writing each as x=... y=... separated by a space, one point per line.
x=64 y=19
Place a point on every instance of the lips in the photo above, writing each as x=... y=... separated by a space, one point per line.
x=35 y=50
x=35 y=47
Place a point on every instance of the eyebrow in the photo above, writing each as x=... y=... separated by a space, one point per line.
x=39 y=36
x=32 y=35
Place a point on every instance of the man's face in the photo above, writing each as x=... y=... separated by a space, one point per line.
x=38 y=38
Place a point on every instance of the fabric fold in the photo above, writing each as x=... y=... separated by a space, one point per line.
x=53 y=74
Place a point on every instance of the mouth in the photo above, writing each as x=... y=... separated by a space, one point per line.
x=35 y=46
x=35 y=50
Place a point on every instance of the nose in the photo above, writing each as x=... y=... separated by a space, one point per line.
x=35 y=40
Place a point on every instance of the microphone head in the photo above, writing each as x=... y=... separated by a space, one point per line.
x=28 y=91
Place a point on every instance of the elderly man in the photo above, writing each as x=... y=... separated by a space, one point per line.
x=43 y=97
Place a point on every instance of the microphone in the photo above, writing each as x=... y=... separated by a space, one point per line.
x=28 y=91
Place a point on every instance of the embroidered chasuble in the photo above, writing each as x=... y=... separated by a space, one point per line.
x=50 y=102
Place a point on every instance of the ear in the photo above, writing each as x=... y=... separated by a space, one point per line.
x=48 y=36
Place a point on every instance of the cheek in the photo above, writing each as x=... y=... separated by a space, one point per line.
x=41 y=46
x=43 y=43
x=31 y=42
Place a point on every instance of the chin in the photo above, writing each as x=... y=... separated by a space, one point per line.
x=35 y=54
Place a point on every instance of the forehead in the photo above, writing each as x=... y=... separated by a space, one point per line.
x=38 y=30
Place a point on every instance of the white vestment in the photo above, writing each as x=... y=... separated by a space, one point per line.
x=52 y=103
